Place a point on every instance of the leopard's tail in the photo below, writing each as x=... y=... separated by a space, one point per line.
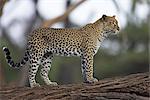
x=10 y=60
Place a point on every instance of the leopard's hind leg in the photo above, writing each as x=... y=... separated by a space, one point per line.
x=45 y=68
x=35 y=60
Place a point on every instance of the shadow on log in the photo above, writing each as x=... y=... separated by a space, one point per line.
x=132 y=87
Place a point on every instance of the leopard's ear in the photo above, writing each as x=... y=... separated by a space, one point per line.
x=114 y=16
x=104 y=17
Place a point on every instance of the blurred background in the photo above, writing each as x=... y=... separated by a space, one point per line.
x=120 y=55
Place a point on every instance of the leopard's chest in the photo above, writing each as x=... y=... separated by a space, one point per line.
x=97 y=46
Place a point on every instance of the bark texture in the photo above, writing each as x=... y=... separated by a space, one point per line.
x=131 y=87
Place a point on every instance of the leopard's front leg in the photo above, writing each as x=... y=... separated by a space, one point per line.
x=87 y=66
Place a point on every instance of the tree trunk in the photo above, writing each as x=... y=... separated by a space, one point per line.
x=132 y=87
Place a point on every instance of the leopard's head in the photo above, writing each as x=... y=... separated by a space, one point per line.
x=110 y=24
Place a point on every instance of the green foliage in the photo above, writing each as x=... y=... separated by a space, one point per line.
x=16 y=54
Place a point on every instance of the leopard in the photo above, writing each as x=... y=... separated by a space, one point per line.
x=45 y=42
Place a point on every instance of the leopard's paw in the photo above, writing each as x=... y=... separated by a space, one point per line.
x=35 y=85
x=53 y=83
x=92 y=80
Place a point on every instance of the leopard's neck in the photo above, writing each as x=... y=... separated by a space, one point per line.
x=96 y=29
x=99 y=26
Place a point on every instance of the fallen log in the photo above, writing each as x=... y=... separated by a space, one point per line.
x=131 y=87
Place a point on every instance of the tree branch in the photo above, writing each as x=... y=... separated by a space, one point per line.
x=116 y=5
x=132 y=87
x=62 y=17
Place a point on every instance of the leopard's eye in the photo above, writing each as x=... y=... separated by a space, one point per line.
x=114 y=23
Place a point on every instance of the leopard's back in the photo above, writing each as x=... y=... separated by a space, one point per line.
x=65 y=42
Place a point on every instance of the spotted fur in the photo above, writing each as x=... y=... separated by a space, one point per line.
x=44 y=43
